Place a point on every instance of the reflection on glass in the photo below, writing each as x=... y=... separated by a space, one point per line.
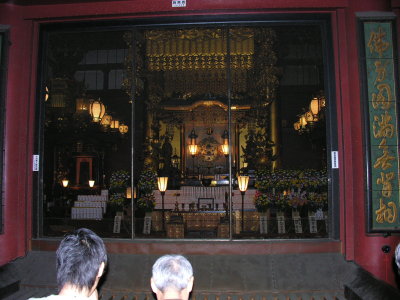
x=179 y=94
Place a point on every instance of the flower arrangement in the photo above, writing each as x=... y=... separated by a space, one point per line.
x=281 y=180
x=147 y=183
x=292 y=189
x=146 y=202
x=298 y=201
x=318 y=200
x=117 y=200
x=147 y=180
x=261 y=201
x=119 y=179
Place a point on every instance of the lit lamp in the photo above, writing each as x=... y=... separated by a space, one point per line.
x=317 y=104
x=81 y=104
x=303 y=121
x=311 y=118
x=192 y=146
x=114 y=124
x=123 y=128
x=128 y=193
x=243 y=182
x=225 y=149
x=91 y=183
x=97 y=110
x=193 y=152
x=106 y=120
x=162 y=187
x=175 y=160
x=65 y=182
x=314 y=106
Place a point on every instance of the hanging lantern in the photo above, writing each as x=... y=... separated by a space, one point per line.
x=225 y=137
x=303 y=121
x=193 y=137
x=106 y=120
x=315 y=106
x=225 y=149
x=123 y=128
x=310 y=117
x=97 y=110
x=91 y=183
x=82 y=104
x=175 y=160
x=65 y=182
x=114 y=124
x=192 y=150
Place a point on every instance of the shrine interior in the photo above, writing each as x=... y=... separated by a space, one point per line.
x=231 y=119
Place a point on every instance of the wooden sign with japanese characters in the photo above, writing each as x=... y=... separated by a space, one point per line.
x=381 y=120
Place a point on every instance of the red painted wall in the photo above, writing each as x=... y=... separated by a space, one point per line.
x=18 y=138
x=24 y=20
x=366 y=250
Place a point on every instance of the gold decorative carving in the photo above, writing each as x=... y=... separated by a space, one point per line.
x=376 y=42
x=386 y=213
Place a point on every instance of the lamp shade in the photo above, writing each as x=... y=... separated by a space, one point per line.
x=314 y=106
x=91 y=183
x=97 y=110
x=303 y=121
x=243 y=182
x=128 y=192
x=114 y=124
x=225 y=149
x=106 y=120
x=310 y=117
x=162 y=183
x=123 y=128
x=296 y=125
x=65 y=182
x=193 y=149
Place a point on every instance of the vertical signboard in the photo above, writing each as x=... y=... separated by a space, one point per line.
x=381 y=126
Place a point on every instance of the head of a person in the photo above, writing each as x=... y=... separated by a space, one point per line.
x=172 y=277
x=397 y=257
x=81 y=258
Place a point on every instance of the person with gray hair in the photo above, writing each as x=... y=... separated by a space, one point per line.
x=172 y=278
x=397 y=257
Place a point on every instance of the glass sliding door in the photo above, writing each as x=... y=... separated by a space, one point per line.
x=189 y=132
x=86 y=133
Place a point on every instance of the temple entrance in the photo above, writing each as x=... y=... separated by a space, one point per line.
x=196 y=131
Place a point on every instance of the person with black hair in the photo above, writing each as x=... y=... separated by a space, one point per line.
x=81 y=259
